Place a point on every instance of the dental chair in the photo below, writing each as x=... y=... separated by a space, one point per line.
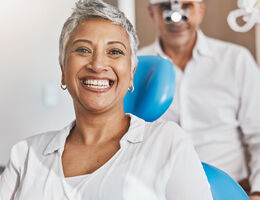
x=154 y=82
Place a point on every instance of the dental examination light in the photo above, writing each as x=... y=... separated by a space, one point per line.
x=176 y=13
x=249 y=10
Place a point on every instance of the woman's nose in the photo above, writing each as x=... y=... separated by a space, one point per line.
x=98 y=63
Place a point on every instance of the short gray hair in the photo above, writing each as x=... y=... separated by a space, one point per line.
x=89 y=9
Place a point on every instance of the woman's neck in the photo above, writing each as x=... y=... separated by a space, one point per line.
x=93 y=128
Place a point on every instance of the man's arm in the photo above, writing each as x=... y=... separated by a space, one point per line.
x=249 y=115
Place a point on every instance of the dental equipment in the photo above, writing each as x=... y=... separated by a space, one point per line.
x=176 y=13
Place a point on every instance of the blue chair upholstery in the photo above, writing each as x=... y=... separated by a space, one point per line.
x=222 y=186
x=154 y=82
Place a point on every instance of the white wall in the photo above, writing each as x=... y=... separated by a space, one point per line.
x=29 y=32
x=128 y=7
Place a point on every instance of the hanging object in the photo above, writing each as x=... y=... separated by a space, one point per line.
x=249 y=10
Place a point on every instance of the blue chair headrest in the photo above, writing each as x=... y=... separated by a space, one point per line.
x=154 y=82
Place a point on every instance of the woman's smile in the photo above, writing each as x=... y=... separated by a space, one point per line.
x=96 y=84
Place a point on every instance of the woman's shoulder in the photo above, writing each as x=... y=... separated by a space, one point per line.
x=163 y=140
x=162 y=130
x=38 y=143
x=40 y=139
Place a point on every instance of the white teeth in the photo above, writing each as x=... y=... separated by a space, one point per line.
x=96 y=83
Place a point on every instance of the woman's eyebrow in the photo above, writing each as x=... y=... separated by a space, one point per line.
x=89 y=42
x=117 y=42
x=81 y=40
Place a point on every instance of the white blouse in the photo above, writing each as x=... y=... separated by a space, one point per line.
x=156 y=161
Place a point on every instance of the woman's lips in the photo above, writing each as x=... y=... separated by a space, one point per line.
x=97 y=84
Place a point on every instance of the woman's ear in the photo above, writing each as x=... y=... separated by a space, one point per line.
x=62 y=75
x=132 y=76
x=132 y=73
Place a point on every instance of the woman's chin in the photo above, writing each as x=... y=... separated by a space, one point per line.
x=93 y=106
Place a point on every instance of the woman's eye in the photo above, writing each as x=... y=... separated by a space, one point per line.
x=83 y=50
x=115 y=52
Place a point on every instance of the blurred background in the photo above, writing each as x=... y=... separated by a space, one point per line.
x=31 y=99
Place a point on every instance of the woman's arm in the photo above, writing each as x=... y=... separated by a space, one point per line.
x=188 y=179
x=9 y=179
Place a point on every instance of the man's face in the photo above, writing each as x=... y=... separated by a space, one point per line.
x=178 y=34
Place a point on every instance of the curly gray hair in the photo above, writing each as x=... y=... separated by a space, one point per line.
x=89 y=9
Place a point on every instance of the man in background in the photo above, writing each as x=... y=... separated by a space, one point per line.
x=217 y=100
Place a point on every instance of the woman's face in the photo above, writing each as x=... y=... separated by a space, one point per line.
x=97 y=67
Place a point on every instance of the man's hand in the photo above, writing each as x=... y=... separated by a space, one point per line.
x=254 y=197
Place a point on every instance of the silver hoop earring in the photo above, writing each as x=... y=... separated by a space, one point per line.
x=64 y=87
x=131 y=89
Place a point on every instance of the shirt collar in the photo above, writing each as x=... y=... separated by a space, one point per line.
x=58 y=141
x=135 y=134
x=201 y=47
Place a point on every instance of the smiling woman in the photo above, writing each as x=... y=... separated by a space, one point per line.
x=97 y=67
x=105 y=153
